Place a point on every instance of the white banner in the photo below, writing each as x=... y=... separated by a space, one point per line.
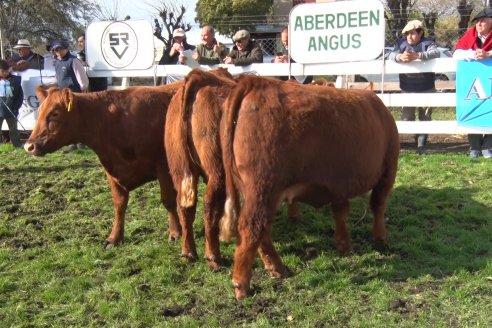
x=337 y=31
x=120 y=45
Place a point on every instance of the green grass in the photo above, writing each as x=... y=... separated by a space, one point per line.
x=56 y=211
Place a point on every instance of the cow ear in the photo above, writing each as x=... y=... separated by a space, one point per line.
x=68 y=98
x=41 y=93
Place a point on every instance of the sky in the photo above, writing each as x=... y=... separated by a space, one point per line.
x=144 y=9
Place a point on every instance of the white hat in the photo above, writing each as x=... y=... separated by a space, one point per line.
x=412 y=25
x=22 y=43
x=179 y=32
x=241 y=34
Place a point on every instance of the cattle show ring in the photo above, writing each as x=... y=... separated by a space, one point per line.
x=231 y=198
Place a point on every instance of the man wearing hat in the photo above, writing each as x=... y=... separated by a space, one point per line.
x=246 y=51
x=173 y=55
x=27 y=58
x=476 y=44
x=414 y=46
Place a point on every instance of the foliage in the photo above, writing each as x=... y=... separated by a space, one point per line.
x=172 y=16
x=39 y=21
x=228 y=16
x=56 y=211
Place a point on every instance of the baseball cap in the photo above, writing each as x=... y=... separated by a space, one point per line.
x=179 y=32
x=487 y=12
x=59 y=44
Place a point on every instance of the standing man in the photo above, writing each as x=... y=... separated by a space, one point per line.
x=70 y=73
x=95 y=83
x=210 y=51
x=27 y=58
x=476 y=44
x=414 y=46
x=246 y=50
x=11 y=97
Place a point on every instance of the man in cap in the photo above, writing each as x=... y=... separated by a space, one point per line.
x=476 y=44
x=173 y=55
x=414 y=46
x=246 y=50
x=27 y=58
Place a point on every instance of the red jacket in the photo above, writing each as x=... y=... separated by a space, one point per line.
x=470 y=38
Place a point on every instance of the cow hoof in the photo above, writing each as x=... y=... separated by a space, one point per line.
x=213 y=263
x=174 y=237
x=380 y=245
x=189 y=256
x=108 y=244
x=279 y=272
x=343 y=247
x=239 y=292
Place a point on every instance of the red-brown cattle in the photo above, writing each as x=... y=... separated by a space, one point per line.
x=287 y=141
x=124 y=128
x=193 y=150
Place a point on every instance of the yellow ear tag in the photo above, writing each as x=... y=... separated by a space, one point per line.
x=69 y=105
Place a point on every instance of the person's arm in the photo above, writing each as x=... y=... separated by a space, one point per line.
x=80 y=74
x=430 y=53
x=395 y=54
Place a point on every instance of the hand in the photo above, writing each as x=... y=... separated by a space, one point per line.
x=217 y=48
x=481 y=54
x=408 y=56
x=228 y=60
x=182 y=58
x=281 y=59
x=196 y=56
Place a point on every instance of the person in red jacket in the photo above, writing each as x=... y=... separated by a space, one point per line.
x=476 y=44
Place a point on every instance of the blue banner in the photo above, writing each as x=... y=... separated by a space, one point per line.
x=473 y=93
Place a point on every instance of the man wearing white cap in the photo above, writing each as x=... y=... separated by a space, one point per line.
x=246 y=50
x=172 y=55
x=27 y=58
x=414 y=46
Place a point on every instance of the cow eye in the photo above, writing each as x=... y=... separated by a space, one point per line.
x=52 y=119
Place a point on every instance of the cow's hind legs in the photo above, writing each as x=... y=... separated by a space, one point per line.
x=120 y=203
x=188 y=248
x=251 y=229
x=214 y=209
x=342 y=236
x=269 y=255
x=378 y=202
x=168 y=199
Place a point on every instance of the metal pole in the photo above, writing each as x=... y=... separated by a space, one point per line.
x=1 y=45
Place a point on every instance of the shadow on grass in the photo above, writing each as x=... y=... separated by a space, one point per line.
x=430 y=232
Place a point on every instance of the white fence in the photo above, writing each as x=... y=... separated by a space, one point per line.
x=445 y=99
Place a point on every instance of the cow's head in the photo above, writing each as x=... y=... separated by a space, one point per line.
x=56 y=122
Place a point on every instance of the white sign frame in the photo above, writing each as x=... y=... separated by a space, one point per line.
x=120 y=45
x=337 y=31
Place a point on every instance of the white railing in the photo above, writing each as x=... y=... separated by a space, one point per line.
x=380 y=67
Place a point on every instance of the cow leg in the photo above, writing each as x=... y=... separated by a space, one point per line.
x=269 y=256
x=251 y=229
x=293 y=212
x=168 y=199
x=342 y=237
x=378 y=202
x=187 y=217
x=214 y=209
x=120 y=203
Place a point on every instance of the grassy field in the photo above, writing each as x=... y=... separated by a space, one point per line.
x=56 y=211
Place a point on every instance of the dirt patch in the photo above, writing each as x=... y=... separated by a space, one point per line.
x=437 y=143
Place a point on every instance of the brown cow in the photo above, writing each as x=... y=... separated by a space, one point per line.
x=193 y=150
x=125 y=129
x=287 y=141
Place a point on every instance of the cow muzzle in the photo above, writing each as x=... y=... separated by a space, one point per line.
x=33 y=149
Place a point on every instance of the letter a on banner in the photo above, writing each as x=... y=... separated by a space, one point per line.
x=473 y=93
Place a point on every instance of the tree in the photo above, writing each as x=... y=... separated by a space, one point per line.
x=228 y=16
x=172 y=16
x=39 y=21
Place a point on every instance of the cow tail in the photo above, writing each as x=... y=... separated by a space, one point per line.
x=228 y=225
